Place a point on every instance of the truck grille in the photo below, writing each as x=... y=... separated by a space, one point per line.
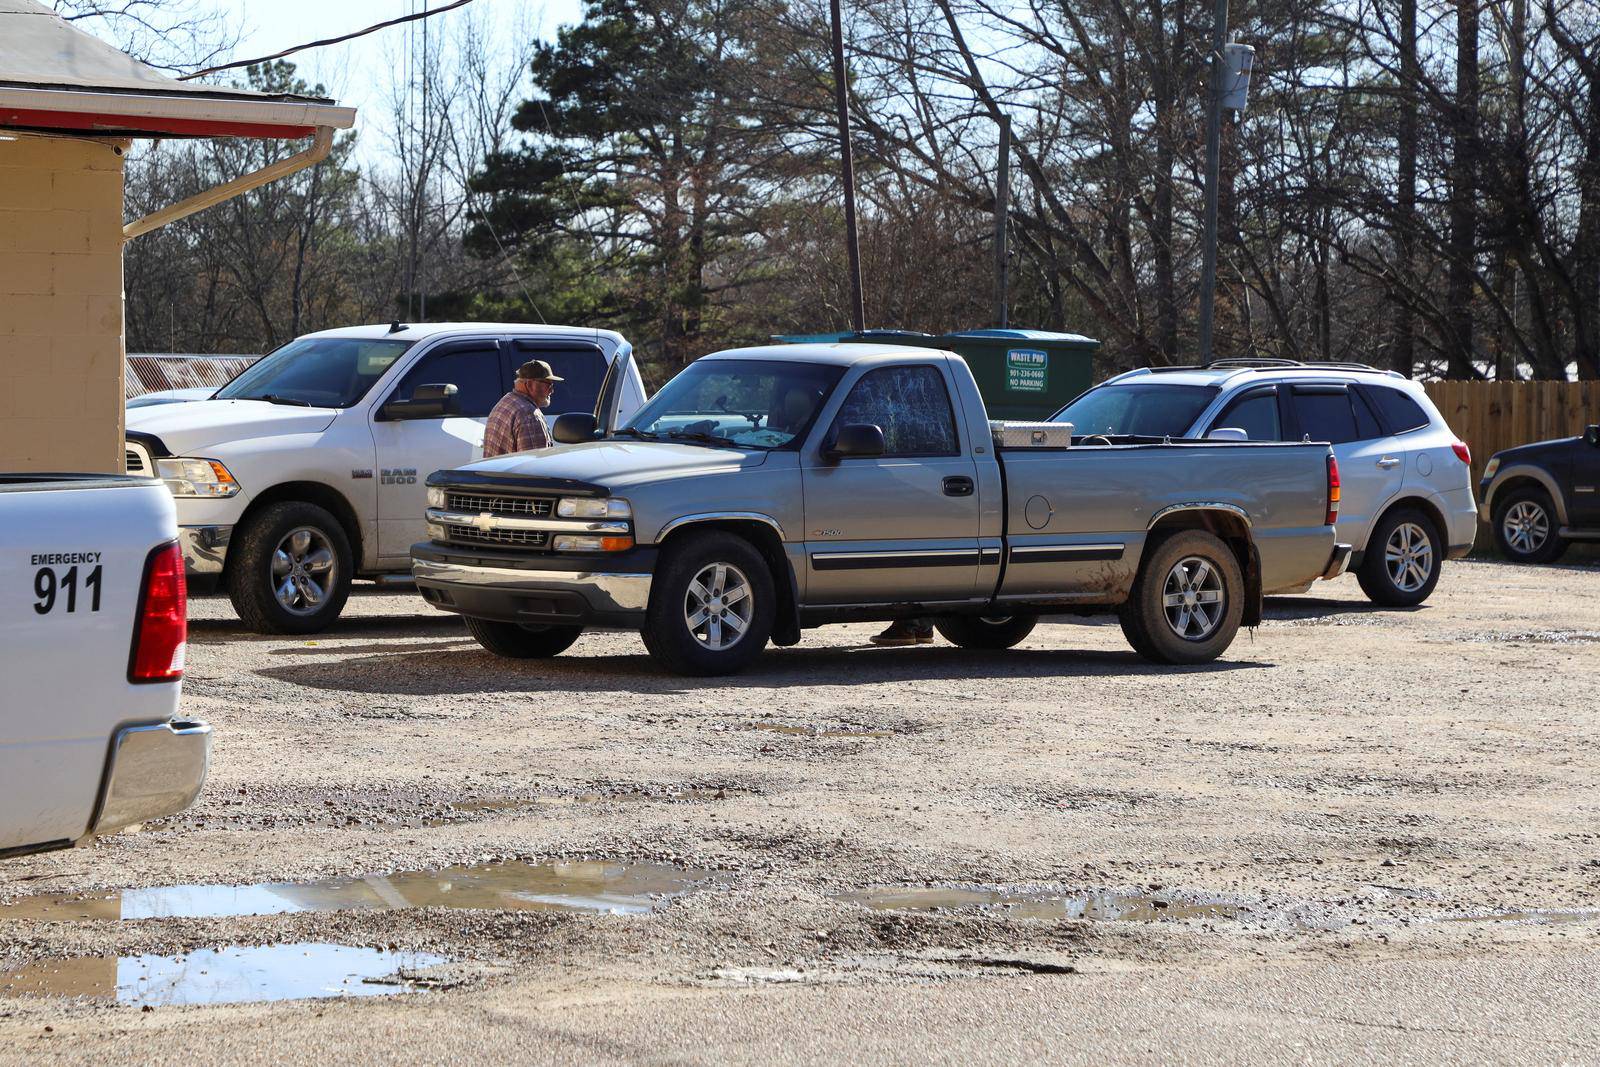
x=471 y=535
x=135 y=460
x=531 y=507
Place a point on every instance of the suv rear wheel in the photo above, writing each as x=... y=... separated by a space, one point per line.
x=712 y=605
x=1525 y=527
x=1401 y=564
x=985 y=631
x=1187 y=600
x=289 y=569
x=515 y=641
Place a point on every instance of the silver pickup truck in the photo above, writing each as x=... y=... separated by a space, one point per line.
x=768 y=490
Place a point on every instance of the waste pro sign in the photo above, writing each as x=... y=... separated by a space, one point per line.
x=1027 y=370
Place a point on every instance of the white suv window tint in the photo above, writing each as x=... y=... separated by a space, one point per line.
x=1256 y=415
x=910 y=405
x=1326 y=416
x=1400 y=410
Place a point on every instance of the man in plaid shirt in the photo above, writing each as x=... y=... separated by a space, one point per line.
x=517 y=424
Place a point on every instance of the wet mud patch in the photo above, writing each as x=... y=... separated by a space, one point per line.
x=1529 y=637
x=234 y=974
x=579 y=885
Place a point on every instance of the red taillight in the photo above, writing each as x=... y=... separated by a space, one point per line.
x=1463 y=453
x=161 y=626
x=1333 y=492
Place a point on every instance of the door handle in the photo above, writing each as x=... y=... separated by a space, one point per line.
x=1388 y=461
x=958 y=485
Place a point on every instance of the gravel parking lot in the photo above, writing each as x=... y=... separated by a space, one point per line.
x=1361 y=834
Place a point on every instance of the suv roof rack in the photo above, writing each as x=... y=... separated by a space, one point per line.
x=1252 y=361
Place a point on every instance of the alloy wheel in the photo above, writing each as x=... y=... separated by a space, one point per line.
x=1408 y=557
x=718 y=606
x=1193 y=598
x=304 y=569
x=1526 y=527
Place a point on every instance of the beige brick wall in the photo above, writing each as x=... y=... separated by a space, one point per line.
x=61 y=340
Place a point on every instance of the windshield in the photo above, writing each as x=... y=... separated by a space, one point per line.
x=746 y=403
x=1139 y=410
x=324 y=372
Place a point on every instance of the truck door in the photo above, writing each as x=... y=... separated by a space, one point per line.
x=901 y=527
x=1583 y=502
x=409 y=449
x=1372 y=465
x=580 y=364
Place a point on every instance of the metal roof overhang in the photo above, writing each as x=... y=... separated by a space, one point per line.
x=186 y=114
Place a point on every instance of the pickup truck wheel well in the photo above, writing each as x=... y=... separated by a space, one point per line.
x=786 y=625
x=313 y=493
x=1234 y=532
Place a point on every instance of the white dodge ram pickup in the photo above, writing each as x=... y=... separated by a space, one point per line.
x=92 y=635
x=308 y=469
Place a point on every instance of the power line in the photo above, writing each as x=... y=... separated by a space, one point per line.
x=327 y=41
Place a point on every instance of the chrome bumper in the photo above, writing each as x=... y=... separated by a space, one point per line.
x=204 y=548
x=1338 y=562
x=603 y=591
x=153 y=771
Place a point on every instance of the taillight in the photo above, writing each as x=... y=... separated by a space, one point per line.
x=1463 y=453
x=1333 y=492
x=161 y=625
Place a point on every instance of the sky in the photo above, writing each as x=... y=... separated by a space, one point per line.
x=356 y=73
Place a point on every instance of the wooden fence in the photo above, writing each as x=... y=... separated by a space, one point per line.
x=1491 y=416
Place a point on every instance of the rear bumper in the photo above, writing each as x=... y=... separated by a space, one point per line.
x=153 y=770
x=539 y=590
x=1338 y=563
x=205 y=551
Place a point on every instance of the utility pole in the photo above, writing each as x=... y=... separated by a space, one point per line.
x=1002 y=198
x=1208 y=269
x=841 y=98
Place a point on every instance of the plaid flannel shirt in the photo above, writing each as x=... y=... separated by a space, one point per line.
x=515 y=425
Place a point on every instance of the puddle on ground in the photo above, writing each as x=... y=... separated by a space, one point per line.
x=1525 y=916
x=232 y=975
x=1128 y=907
x=617 y=888
x=1537 y=637
x=817 y=731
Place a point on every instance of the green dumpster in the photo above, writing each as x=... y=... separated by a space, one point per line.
x=1022 y=374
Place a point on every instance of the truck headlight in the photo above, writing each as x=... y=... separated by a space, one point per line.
x=591 y=543
x=580 y=507
x=436 y=498
x=197 y=477
x=1490 y=467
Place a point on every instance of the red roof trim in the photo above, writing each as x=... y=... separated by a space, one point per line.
x=102 y=123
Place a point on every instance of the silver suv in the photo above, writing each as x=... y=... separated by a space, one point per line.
x=1407 y=479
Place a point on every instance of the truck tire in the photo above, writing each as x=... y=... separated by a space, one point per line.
x=985 y=631
x=289 y=569
x=1525 y=527
x=1186 y=601
x=514 y=641
x=705 y=586
x=1401 y=564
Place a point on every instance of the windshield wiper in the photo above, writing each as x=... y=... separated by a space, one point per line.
x=643 y=435
x=276 y=398
x=700 y=437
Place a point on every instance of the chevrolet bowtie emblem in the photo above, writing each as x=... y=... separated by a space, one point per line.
x=484 y=521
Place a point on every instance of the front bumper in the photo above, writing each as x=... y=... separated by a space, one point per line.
x=547 y=589
x=205 y=550
x=153 y=770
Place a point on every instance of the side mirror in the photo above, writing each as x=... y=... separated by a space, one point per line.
x=854 y=442
x=433 y=401
x=574 y=428
x=1591 y=433
x=1227 y=433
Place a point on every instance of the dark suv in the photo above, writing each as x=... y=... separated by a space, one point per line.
x=1541 y=497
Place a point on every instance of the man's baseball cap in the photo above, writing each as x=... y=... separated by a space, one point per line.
x=537 y=370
